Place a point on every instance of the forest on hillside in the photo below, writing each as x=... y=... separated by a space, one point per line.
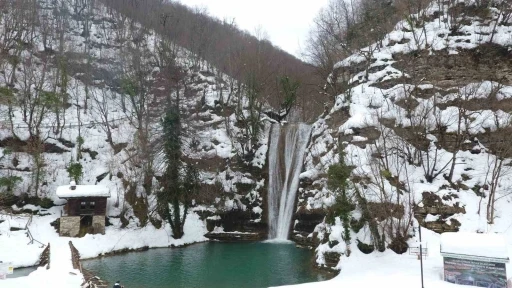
x=42 y=52
x=236 y=53
x=69 y=65
x=69 y=68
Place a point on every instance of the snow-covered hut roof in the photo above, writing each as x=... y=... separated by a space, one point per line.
x=82 y=191
x=474 y=245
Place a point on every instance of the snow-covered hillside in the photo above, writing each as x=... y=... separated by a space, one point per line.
x=424 y=129
x=67 y=87
x=432 y=94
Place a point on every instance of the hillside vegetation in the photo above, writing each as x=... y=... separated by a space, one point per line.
x=221 y=44
x=84 y=89
x=410 y=101
x=421 y=132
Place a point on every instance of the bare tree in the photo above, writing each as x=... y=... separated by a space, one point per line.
x=102 y=107
x=387 y=193
x=16 y=24
x=136 y=85
x=498 y=165
x=35 y=97
x=503 y=17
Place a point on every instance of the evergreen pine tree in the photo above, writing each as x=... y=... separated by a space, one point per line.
x=178 y=189
x=338 y=177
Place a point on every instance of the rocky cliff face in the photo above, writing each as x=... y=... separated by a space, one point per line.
x=423 y=125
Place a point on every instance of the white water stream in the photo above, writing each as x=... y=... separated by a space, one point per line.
x=286 y=155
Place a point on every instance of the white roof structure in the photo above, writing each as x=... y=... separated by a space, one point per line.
x=474 y=245
x=82 y=191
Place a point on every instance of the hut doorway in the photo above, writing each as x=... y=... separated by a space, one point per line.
x=85 y=225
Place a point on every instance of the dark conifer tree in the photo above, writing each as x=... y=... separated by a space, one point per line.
x=179 y=183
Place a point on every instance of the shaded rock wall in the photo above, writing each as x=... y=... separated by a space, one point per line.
x=433 y=205
x=305 y=223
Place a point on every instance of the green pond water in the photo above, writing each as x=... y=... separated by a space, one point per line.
x=209 y=265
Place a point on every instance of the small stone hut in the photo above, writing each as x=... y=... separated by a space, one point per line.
x=475 y=259
x=84 y=211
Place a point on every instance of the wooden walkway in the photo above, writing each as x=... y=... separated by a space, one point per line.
x=89 y=278
x=56 y=270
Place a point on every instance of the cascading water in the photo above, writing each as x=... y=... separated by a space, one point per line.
x=287 y=145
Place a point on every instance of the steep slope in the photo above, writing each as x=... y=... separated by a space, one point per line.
x=81 y=83
x=232 y=51
x=424 y=130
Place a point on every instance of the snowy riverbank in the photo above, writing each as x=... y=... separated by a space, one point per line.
x=15 y=250
x=389 y=269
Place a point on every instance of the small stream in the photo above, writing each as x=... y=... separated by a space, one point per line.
x=211 y=265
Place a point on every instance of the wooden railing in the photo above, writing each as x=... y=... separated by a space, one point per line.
x=44 y=259
x=89 y=279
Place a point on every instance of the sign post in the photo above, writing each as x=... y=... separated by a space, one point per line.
x=421 y=256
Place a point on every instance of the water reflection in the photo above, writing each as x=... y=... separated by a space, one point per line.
x=210 y=265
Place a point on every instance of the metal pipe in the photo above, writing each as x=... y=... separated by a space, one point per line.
x=421 y=255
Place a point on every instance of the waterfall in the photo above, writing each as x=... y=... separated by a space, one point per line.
x=286 y=153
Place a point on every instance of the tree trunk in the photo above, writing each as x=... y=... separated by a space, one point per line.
x=378 y=240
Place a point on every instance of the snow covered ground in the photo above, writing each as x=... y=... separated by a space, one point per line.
x=59 y=274
x=389 y=269
x=14 y=248
x=483 y=245
x=47 y=278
